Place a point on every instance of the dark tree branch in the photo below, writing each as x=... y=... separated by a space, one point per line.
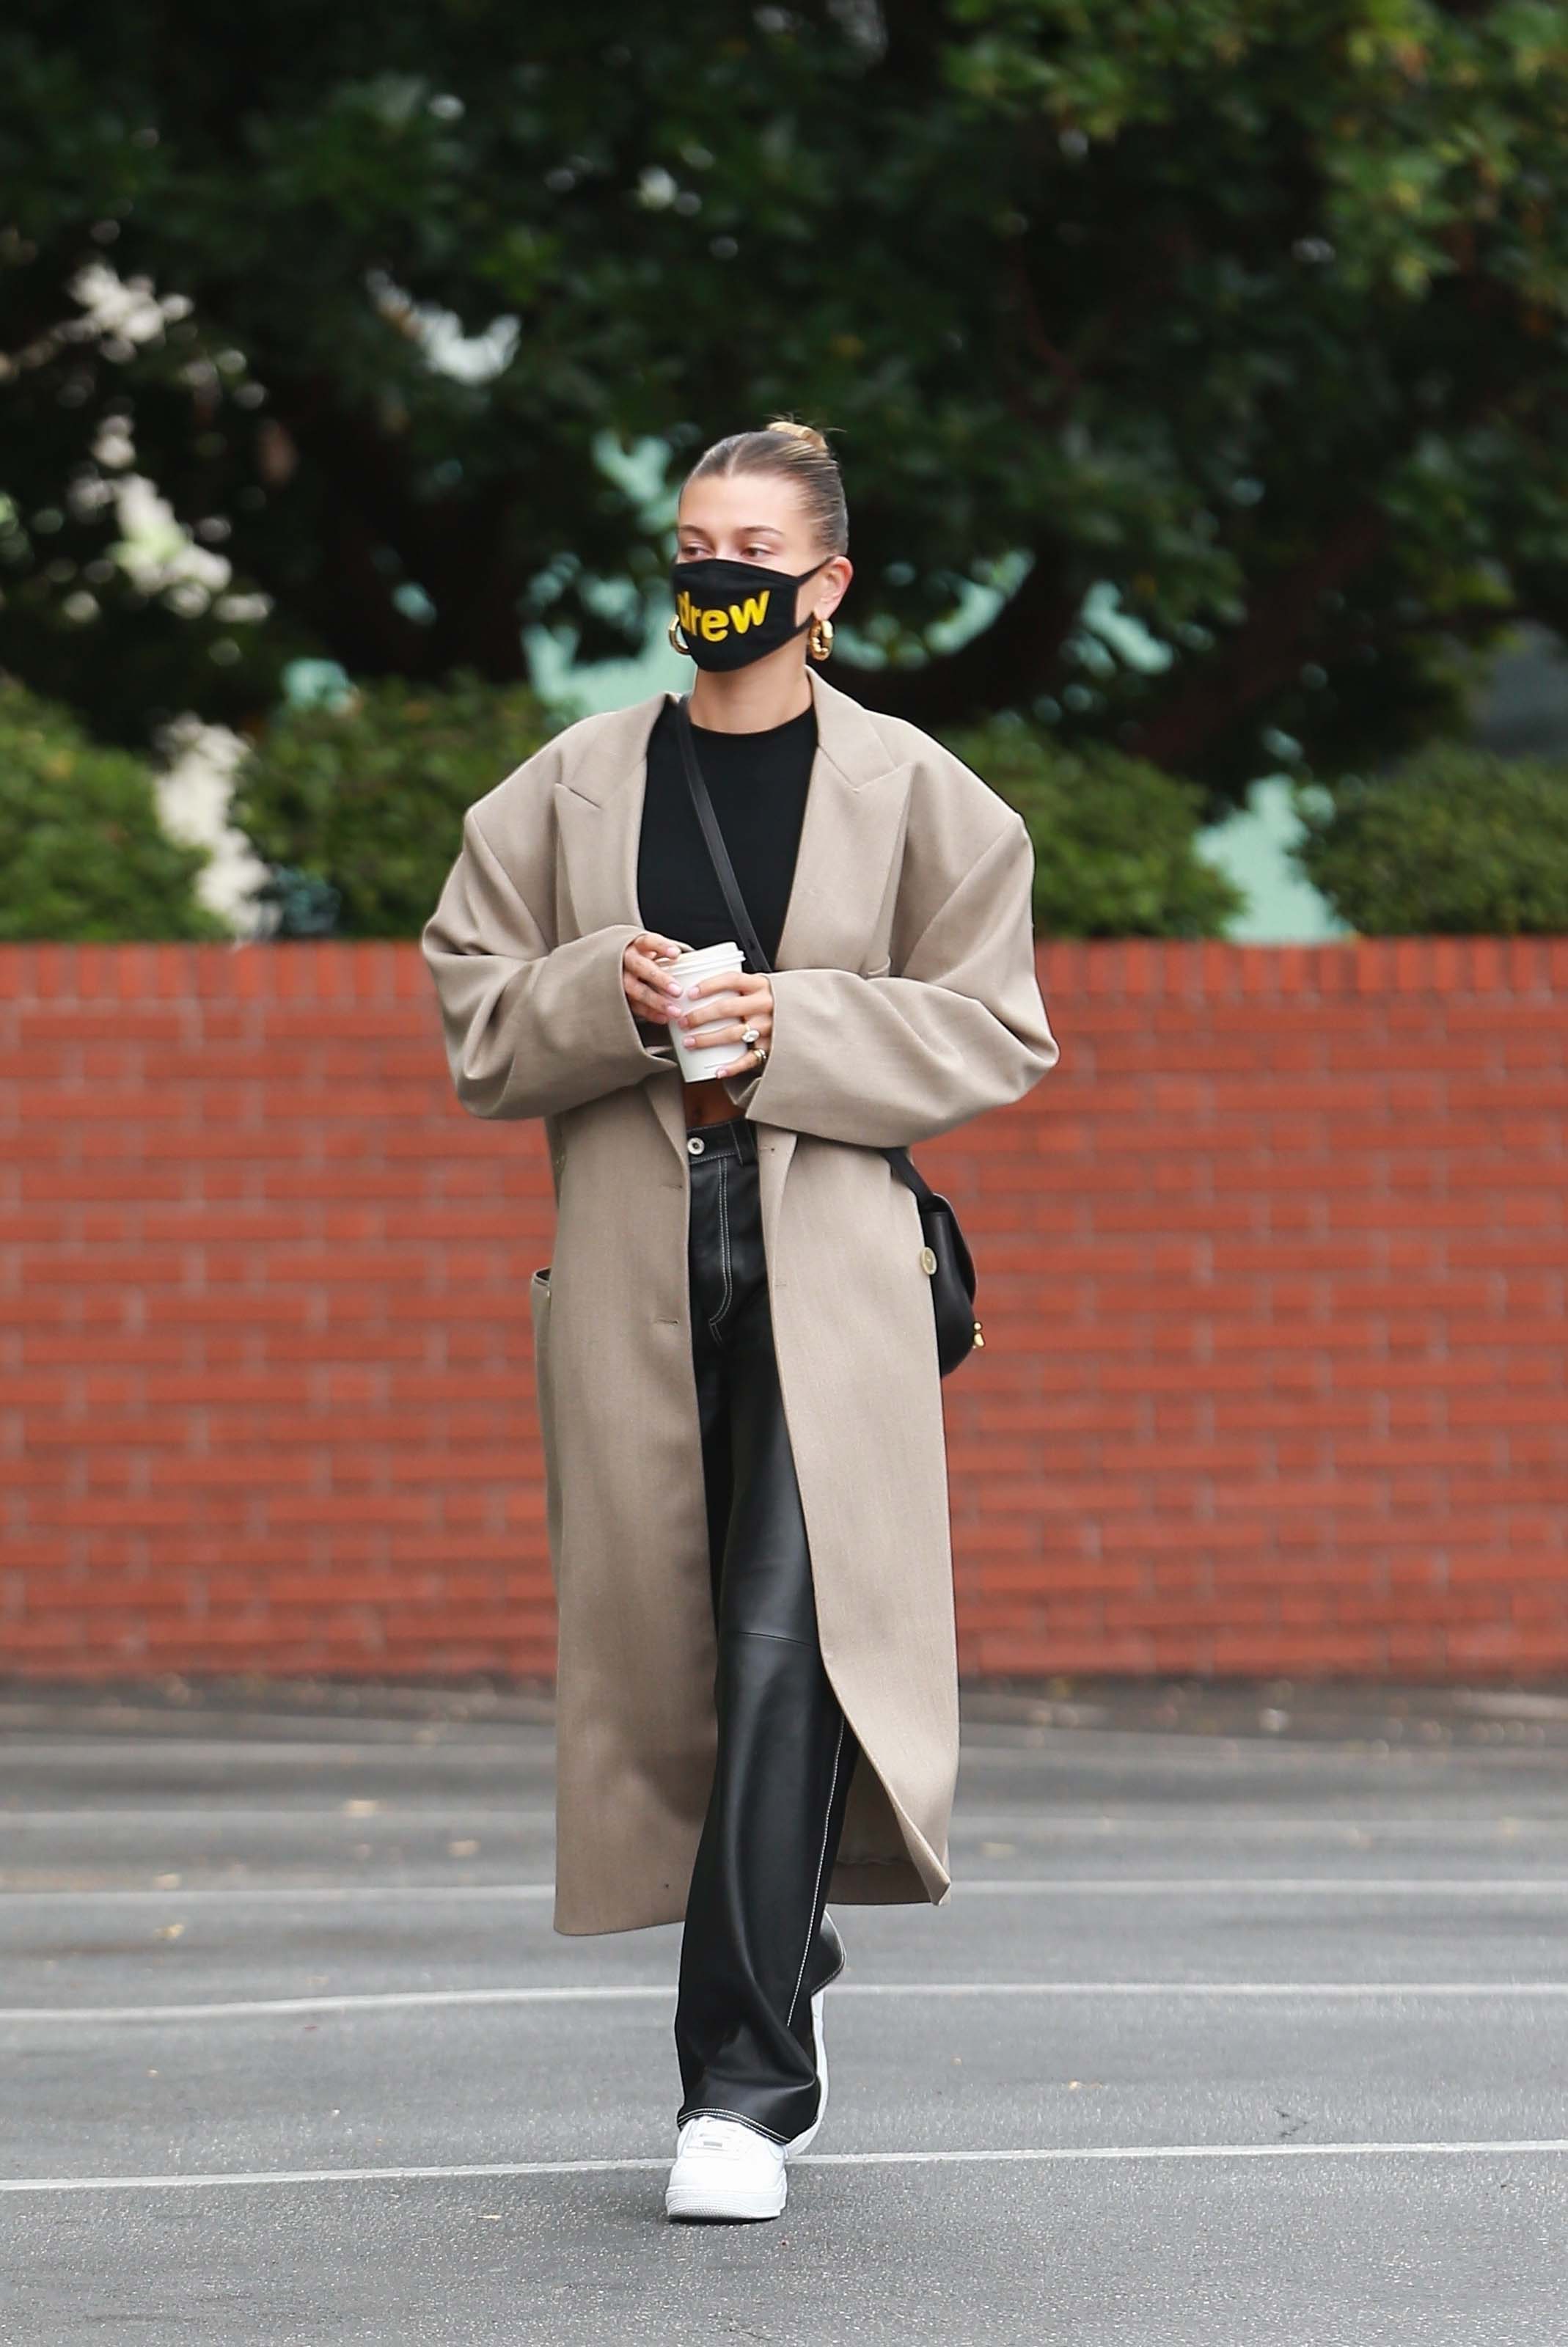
x=1264 y=652
x=1014 y=658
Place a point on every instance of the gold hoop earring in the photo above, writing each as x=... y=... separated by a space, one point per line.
x=820 y=639
x=677 y=641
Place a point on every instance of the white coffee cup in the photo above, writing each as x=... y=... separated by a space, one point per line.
x=699 y=1062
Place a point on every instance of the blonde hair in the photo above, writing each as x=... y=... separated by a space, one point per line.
x=799 y=452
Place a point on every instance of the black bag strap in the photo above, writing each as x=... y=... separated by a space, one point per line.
x=899 y=1159
x=731 y=887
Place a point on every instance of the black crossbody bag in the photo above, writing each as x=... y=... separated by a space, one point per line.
x=946 y=1257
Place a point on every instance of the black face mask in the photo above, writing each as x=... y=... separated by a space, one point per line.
x=733 y=613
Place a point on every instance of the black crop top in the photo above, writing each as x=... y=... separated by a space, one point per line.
x=757 y=782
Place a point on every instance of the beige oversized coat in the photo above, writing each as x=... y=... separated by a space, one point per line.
x=906 y=1001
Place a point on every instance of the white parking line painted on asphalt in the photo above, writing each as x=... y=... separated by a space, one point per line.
x=1107 y=1746
x=249 y=1751
x=411 y=2000
x=272 y=1893
x=347 y=1809
x=1067 y=2155
x=1093 y=1823
x=1509 y=1886
x=1124 y=1748
x=1204 y=1886
x=1097 y=1825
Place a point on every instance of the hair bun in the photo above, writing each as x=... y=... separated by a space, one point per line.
x=806 y=432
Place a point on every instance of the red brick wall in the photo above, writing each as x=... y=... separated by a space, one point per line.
x=1272 y=1271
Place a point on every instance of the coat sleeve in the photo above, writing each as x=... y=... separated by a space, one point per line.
x=890 y=1060
x=530 y=1029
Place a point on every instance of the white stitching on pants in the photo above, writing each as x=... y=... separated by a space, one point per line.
x=822 y=1855
x=715 y=1318
x=716 y=2111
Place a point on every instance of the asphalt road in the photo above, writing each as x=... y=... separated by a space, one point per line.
x=1246 y=2025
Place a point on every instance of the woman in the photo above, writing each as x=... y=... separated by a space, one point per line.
x=735 y=1345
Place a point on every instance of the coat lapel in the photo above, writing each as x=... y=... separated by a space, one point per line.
x=850 y=834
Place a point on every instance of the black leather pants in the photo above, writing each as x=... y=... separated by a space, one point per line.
x=755 y=1943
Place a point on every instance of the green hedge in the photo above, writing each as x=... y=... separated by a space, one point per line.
x=1457 y=843
x=83 y=857
x=359 y=809
x=1115 y=839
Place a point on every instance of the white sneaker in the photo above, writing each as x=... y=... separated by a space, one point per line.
x=724 y=2168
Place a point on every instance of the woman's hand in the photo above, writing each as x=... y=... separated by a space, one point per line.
x=730 y=1000
x=644 y=973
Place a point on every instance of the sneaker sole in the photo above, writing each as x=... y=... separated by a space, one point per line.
x=711 y=2204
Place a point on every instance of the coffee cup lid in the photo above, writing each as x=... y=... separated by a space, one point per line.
x=702 y=955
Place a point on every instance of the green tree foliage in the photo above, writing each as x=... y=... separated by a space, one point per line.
x=1253 y=309
x=359 y=809
x=1114 y=838
x=1456 y=842
x=82 y=855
